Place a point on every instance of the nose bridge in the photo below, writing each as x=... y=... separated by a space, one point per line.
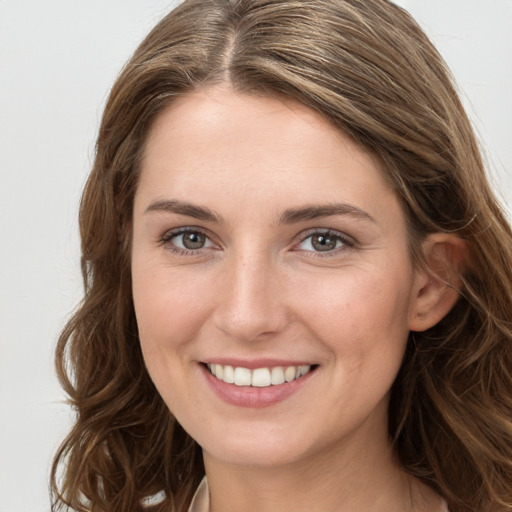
x=251 y=304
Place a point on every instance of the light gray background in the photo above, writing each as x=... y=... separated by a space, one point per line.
x=58 y=59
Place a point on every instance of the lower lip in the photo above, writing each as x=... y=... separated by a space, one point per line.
x=248 y=396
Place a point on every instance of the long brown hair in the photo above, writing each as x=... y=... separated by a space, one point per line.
x=366 y=66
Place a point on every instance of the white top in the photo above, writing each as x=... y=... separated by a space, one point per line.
x=201 y=500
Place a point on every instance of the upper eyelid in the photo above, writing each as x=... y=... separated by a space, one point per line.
x=327 y=231
x=170 y=233
x=166 y=240
x=298 y=238
x=167 y=237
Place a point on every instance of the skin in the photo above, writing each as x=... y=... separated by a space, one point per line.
x=258 y=288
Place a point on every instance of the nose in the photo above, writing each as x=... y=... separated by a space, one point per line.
x=251 y=304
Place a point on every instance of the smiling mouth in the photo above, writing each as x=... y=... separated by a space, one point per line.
x=258 y=377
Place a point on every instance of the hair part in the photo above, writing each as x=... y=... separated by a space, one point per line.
x=368 y=68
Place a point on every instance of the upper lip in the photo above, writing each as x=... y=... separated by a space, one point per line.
x=252 y=364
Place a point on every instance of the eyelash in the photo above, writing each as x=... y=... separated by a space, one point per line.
x=170 y=235
x=347 y=242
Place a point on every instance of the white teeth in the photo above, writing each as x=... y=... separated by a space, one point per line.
x=219 y=371
x=259 y=377
x=242 y=376
x=277 y=376
x=229 y=374
x=290 y=373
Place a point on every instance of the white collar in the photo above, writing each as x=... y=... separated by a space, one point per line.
x=201 y=500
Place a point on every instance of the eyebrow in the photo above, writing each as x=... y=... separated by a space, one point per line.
x=289 y=216
x=184 y=208
x=313 y=212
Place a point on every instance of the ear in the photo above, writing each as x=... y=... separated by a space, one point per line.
x=437 y=284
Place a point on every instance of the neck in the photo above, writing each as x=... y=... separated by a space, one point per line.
x=368 y=478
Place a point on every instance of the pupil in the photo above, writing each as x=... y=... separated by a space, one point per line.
x=193 y=240
x=323 y=243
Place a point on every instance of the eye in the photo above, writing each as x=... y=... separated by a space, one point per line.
x=190 y=240
x=324 y=241
x=186 y=240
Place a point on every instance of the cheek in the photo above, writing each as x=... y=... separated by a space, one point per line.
x=362 y=318
x=167 y=324
x=167 y=302
x=361 y=300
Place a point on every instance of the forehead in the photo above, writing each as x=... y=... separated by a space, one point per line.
x=221 y=118
x=213 y=144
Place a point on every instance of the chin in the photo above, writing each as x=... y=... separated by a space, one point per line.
x=265 y=449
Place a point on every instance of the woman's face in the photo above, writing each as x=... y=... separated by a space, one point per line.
x=268 y=248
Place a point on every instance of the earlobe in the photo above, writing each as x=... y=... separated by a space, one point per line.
x=437 y=285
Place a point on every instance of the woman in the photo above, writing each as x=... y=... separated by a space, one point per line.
x=297 y=280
